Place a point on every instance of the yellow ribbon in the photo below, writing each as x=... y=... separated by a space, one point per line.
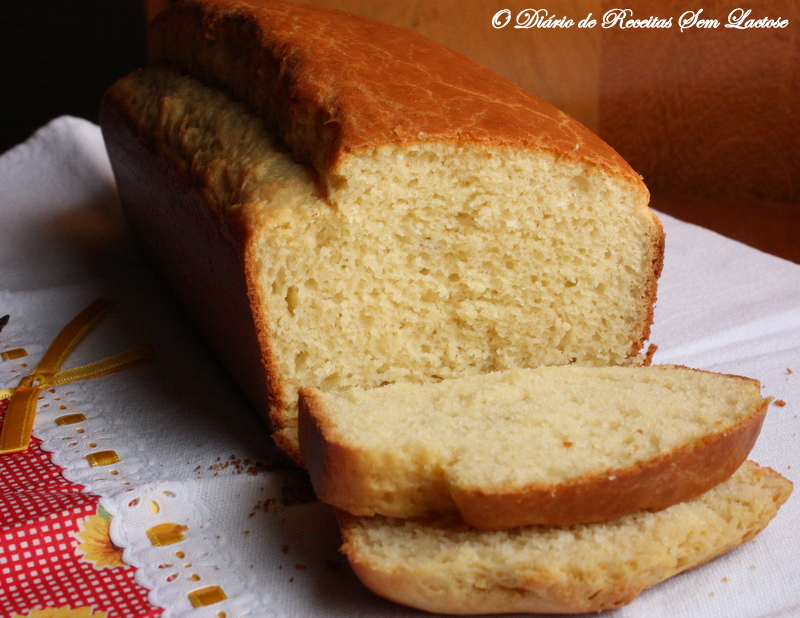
x=16 y=432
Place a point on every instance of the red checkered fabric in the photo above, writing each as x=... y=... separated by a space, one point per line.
x=55 y=553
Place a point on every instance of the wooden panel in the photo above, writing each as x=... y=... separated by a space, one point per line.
x=154 y=7
x=706 y=112
x=772 y=227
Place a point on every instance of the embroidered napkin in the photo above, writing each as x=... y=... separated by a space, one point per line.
x=155 y=490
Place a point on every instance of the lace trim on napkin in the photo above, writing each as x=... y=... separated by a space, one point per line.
x=149 y=521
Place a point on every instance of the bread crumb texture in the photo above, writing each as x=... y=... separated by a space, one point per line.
x=417 y=262
x=443 y=565
x=406 y=450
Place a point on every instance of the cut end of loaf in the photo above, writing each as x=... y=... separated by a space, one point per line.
x=442 y=260
x=501 y=234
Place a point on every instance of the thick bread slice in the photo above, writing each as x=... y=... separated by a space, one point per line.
x=339 y=203
x=444 y=566
x=554 y=445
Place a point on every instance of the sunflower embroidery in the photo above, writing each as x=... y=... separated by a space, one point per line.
x=63 y=612
x=96 y=546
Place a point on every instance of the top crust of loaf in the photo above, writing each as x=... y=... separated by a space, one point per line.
x=336 y=84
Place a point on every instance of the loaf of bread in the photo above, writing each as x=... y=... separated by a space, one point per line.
x=447 y=567
x=553 y=445
x=339 y=203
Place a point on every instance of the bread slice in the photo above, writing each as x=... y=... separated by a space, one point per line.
x=444 y=566
x=339 y=203
x=553 y=445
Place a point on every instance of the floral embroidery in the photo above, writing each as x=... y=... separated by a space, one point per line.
x=96 y=546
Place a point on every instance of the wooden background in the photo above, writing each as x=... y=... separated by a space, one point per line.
x=709 y=117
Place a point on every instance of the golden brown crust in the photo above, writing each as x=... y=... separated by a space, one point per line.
x=338 y=84
x=651 y=293
x=536 y=598
x=345 y=477
x=275 y=403
x=323 y=457
x=534 y=588
x=339 y=475
x=651 y=486
x=310 y=431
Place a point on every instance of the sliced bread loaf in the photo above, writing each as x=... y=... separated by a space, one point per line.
x=553 y=445
x=339 y=203
x=444 y=566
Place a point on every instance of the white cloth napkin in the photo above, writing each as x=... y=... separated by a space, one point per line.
x=193 y=453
